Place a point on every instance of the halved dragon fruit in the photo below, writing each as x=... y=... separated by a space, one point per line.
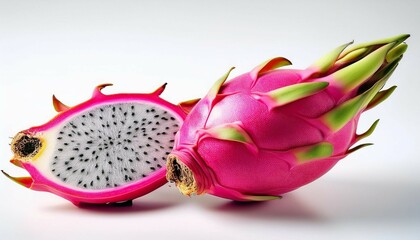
x=109 y=149
x=269 y=131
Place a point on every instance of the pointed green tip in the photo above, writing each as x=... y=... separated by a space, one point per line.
x=368 y=132
x=395 y=39
x=396 y=52
x=352 y=150
x=317 y=151
x=269 y=65
x=24 y=181
x=380 y=97
x=327 y=61
x=214 y=90
x=292 y=93
x=261 y=198
x=357 y=73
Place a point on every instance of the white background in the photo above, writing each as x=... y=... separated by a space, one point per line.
x=68 y=47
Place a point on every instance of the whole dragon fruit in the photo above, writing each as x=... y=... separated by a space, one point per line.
x=109 y=149
x=268 y=132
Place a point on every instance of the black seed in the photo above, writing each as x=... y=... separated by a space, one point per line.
x=81 y=155
x=98 y=178
x=59 y=138
x=143 y=175
x=90 y=114
x=157 y=123
x=87 y=148
x=148 y=162
x=125 y=114
x=128 y=133
x=133 y=171
x=109 y=162
x=96 y=166
x=69 y=168
x=76 y=149
x=93 y=153
x=82 y=170
x=107 y=178
x=156 y=116
x=60 y=149
x=152 y=168
x=91 y=183
x=145 y=153
x=66 y=163
x=80 y=181
x=84 y=185
x=172 y=118
x=159 y=166
x=53 y=170
x=64 y=179
x=113 y=115
x=65 y=144
x=147 y=145
x=157 y=141
x=147 y=110
x=89 y=142
x=153 y=129
x=164 y=118
x=130 y=160
x=152 y=110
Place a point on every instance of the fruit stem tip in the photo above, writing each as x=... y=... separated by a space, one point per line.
x=181 y=175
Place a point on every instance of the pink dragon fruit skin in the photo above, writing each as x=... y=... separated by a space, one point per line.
x=271 y=131
x=38 y=158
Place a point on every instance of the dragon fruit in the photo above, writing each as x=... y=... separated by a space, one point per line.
x=109 y=149
x=271 y=131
